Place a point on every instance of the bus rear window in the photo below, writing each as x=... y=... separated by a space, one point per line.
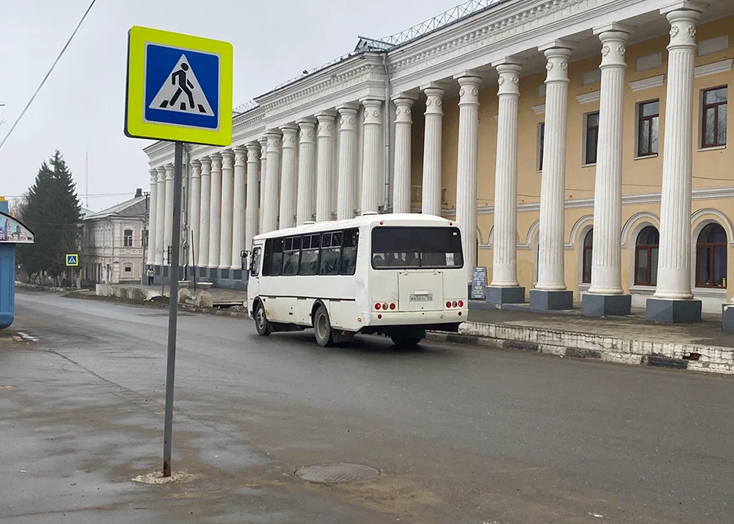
x=416 y=247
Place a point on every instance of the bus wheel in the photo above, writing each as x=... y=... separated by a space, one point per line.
x=408 y=338
x=322 y=327
x=261 y=321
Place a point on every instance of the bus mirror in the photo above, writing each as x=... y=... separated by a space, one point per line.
x=245 y=256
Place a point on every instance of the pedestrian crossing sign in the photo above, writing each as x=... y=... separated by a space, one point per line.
x=72 y=259
x=179 y=87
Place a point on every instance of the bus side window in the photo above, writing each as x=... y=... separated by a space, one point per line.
x=255 y=262
x=310 y=256
x=292 y=255
x=276 y=258
x=349 y=241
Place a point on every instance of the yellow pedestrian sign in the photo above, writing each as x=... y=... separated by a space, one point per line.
x=72 y=259
x=179 y=87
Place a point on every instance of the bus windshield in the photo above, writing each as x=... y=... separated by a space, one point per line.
x=416 y=247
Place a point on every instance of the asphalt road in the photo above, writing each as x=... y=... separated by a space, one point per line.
x=461 y=435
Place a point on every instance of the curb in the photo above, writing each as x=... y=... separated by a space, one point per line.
x=584 y=346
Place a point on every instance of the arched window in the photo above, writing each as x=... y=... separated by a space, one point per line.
x=586 y=256
x=711 y=257
x=646 y=257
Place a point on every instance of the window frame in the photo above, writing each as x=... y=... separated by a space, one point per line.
x=586 y=248
x=648 y=248
x=642 y=119
x=710 y=247
x=540 y=146
x=128 y=238
x=715 y=107
x=587 y=128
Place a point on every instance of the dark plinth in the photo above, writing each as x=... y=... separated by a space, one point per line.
x=605 y=305
x=727 y=318
x=549 y=300
x=673 y=311
x=506 y=295
x=224 y=273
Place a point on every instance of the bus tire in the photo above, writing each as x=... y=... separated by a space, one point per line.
x=322 y=327
x=408 y=338
x=262 y=324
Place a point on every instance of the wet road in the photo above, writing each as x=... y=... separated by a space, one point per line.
x=461 y=435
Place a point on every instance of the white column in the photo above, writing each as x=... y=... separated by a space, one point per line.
x=306 y=206
x=225 y=222
x=552 y=187
x=202 y=255
x=325 y=165
x=195 y=217
x=168 y=217
x=347 y=161
x=674 y=259
x=432 y=151
x=261 y=184
x=606 y=276
x=215 y=210
x=466 y=168
x=239 y=206
x=289 y=176
x=272 y=178
x=504 y=254
x=160 y=223
x=401 y=172
x=152 y=216
x=372 y=148
x=253 y=192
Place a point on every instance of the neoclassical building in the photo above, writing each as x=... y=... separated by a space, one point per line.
x=580 y=145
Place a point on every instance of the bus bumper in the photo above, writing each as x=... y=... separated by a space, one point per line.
x=439 y=320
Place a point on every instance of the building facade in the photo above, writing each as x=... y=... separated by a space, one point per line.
x=580 y=145
x=113 y=242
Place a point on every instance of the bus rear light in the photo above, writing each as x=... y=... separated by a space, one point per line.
x=379 y=316
x=385 y=306
x=454 y=304
x=378 y=305
x=448 y=304
x=392 y=306
x=461 y=303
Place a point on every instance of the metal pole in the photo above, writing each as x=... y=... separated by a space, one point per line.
x=386 y=206
x=193 y=259
x=173 y=308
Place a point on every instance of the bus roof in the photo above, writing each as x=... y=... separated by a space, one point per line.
x=396 y=219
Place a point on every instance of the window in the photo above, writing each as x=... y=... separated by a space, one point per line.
x=541 y=142
x=128 y=238
x=350 y=241
x=273 y=262
x=646 y=257
x=330 y=253
x=713 y=132
x=406 y=247
x=648 y=118
x=587 y=256
x=128 y=268
x=291 y=256
x=255 y=262
x=591 y=137
x=711 y=257
x=310 y=255
x=145 y=237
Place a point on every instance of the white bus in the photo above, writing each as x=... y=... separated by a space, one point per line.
x=395 y=275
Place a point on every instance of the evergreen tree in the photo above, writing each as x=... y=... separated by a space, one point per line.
x=53 y=213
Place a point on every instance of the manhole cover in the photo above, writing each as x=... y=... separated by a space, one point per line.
x=337 y=472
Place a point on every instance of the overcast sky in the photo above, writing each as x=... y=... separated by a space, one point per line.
x=81 y=106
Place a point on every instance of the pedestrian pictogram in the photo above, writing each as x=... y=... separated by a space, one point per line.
x=179 y=88
x=182 y=92
x=72 y=259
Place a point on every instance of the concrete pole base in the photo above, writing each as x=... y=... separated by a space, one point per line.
x=670 y=311
x=605 y=305
x=505 y=295
x=550 y=300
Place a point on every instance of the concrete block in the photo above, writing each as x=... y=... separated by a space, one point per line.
x=727 y=318
x=605 y=305
x=673 y=311
x=550 y=300
x=506 y=295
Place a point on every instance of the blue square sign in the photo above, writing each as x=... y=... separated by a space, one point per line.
x=181 y=87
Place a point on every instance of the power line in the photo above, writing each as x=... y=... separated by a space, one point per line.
x=63 y=50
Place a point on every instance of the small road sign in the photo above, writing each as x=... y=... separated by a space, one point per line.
x=72 y=259
x=179 y=87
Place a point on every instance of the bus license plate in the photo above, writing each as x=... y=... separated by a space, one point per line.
x=422 y=298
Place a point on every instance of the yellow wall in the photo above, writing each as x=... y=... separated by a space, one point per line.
x=711 y=168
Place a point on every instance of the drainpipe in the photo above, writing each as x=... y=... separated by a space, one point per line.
x=387 y=133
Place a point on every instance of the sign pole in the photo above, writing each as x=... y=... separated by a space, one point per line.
x=173 y=307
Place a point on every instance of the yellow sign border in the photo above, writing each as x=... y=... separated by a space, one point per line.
x=72 y=255
x=135 y=124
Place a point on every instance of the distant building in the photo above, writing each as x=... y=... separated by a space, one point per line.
x=113 y=242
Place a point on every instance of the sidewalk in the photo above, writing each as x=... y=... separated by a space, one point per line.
x=701 y=346
x=220 y=296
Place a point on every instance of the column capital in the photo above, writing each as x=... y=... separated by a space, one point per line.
x=307 y=126
x=372 y=111
x=613 y=47
x=684 y=5
x=253 y=151
x=404 y=108
x=290 y=136
x=206 y=165
x=273 y=140
x=326 y=123
x=683 y=18
x=240 y=155
x=348 y=116
x=469 y=90
x=227 y=158
x=153 y=175
x=216 y=161
x=557 y=53
x=434 y=98
x=196 y=172
x=169 y=171
x=263 y=147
